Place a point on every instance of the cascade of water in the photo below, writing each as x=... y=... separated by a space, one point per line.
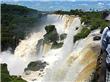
x=27 y=51
x=60 y=55
x=27 y=47
x=65 y=63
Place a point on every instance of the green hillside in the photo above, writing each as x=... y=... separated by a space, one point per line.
x=16 y=21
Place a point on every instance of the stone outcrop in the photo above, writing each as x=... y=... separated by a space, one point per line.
x=36 y=66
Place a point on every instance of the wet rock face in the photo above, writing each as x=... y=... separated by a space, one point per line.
x=56 y=45
x=96 y=38
x=77 y=28
x=36 y=66
x=50 y=28
x=51 y=35
x=63 y=36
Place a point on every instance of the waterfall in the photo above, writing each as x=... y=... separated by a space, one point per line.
x=61 y=55
x=65 y=64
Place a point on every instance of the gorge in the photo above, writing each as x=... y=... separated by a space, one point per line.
x=51 y=46
x=72 y=62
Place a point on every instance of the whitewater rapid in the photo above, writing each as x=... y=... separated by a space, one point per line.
x=26 y=50
x=65 y=64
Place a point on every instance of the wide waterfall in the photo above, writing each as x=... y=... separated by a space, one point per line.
x=73 y=62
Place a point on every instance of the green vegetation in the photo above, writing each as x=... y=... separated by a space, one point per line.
x=16 y=21
x=51 y=35
x=91 y=19
x=5 y=77
x=84 y=32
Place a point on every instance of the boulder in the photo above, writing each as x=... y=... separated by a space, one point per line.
x=36 y=65
x=96 y=38
x=51 y=35
x=50 y=28
x=77 y=28
x=63 y=36
x=57 y=45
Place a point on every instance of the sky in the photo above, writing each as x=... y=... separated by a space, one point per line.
x=52 y=5
x=53 y=0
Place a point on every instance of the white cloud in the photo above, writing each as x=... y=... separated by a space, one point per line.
x=100 y=3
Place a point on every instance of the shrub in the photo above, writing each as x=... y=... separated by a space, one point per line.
x=84 y=33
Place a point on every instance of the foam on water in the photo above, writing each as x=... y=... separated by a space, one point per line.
x=64 y=64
